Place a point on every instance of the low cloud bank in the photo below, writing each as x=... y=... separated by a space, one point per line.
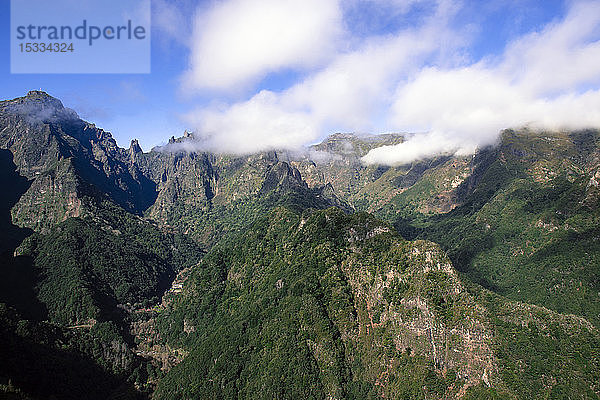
x=257 y=125
x=545 y=80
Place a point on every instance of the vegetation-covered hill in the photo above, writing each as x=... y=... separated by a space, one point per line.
x=87 y=266
x=528 y=227
x=207 y=196
x=519 y=218
x=424 y=186
x=41 y=360
x=326 y=305
x=66 y=297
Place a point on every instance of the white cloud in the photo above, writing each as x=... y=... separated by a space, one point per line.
x=543 y=80
x=465 y=121
x=237 y=42
x=346 y=94
x=416 y=147
x=256 y=125
x=462 y=103
x=562 y=56
x=416 y=79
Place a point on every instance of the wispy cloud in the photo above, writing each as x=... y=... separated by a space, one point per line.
x=345 y=94
x=256 y=125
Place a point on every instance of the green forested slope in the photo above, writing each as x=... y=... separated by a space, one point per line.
x=529 y=228
x=86 y=266
x=207 y=195
x=72 y=288
x=329 y=305
x=41 y=360
x=520 y=218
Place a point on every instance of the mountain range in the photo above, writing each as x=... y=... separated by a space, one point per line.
x=179 y=274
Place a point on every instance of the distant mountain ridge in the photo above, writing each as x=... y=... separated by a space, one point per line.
x=298 y=274
x=67 y=160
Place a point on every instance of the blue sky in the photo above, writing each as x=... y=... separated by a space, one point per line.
x=144 y=106
x=250 y=75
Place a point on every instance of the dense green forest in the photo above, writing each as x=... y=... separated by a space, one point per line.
x=303 y=306
x=43 y=360
x=529 y=229
x=86 y=266
x=69 y=291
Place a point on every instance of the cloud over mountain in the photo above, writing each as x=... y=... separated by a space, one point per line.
x=425 y=75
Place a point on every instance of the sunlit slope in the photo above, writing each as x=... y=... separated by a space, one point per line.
x=327 y=305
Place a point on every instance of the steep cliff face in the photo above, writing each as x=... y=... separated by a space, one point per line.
x=186 y=183
x=66 y=159
x=208 y=195
x=53 y=196
x=422 y=307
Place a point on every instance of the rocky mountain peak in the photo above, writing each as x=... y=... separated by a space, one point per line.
x=43 y=99
x=38 y=94
x=38 y=105
x=282 y=176
x=135 y=147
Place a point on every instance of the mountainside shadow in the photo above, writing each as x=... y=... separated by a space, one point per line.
x=12 y=187
x=19 y=278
